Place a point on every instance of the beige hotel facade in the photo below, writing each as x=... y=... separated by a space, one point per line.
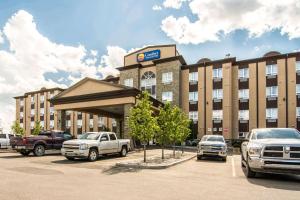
x=226 y=96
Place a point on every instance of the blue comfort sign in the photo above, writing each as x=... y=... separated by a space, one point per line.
x=150 y=55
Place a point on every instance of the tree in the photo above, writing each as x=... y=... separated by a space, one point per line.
x=37 y=128
x=142 y=123
x=164 y=121
x=180 y=127
x=17 y=129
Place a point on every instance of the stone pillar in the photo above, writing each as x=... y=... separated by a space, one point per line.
x=119 y=128
x=61 y=120
x=125 y=121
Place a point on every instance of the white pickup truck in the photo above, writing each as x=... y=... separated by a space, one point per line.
x=5 y=140
x=92 y=144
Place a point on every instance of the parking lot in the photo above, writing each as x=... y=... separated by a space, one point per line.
x=54 y=177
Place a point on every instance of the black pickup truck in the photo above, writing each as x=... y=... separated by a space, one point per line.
x=37 y=144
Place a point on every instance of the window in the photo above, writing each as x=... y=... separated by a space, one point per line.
x=51 y=123
x=114 y=122
x=297 y=89
x=21 y=114
x=21 y=102
x=128 y=82
x=31 y=124
x=271 y=113
x=22 y=125
x=272 y=91
x=100 y=121
x=79 y=123
x=217 y=73
x=42 y=123
x=51 y=110
x=42 y=111
x=32 y=112
x=167 y=96
x=193 y=115
x=32 y=99
x=193 y=77
x=112 y=136
x=217 y=114
x=91 y=122
x=298 y=112
x=297 y=66
x=68 y=123
x=244 y=94
x=68 y=112
x=243 y=73
x=271 y=70
x=42 y=98
x=218 y=94
x=193 y=96
x=243 y=114
x=167 y=77
x=148 y=83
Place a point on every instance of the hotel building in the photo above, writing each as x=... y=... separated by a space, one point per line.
x=226 y=96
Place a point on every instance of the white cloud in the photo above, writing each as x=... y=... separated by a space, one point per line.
x=156 y=7
x=1 y=37
x=31 y=55
x=218 y=19
x=176 y=4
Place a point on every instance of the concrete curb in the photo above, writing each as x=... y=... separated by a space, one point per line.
x=163 y=166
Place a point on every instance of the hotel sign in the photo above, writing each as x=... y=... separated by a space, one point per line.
x=149 y=55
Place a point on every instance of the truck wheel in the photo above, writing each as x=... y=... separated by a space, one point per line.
x=25 y=153
x=93 y=155
x=39 y=150
x=70 y=158
x=123 y=152
x=248 y=172
x=224 y=159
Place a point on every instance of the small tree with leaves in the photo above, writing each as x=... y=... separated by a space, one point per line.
x=37 y=128
x=17 y=129
x=142 y=123
x=184 y=128
x=165 y=124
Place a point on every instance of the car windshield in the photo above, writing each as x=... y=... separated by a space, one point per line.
x=278 y=134
x=89 y=136
x=213 y=139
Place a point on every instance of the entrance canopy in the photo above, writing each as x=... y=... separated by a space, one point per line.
x=98 y=97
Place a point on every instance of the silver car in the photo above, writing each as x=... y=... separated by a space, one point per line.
x=212 y=145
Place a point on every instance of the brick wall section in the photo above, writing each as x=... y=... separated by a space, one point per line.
x=174 y=87
x=131 y=73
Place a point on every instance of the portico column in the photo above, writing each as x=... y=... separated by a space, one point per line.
x=61 y=120
x=126 y=121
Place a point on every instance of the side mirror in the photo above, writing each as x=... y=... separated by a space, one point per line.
x=103 y=139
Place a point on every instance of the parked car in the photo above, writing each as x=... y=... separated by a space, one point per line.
x=193 y=142
x=5 y=140
x=92 y=144
x=271 y=150
x=212 y=145
x=46 y=140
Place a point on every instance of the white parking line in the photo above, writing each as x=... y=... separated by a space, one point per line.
x=233 y=167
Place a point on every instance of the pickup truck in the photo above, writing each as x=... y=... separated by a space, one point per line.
x=271 y=150
x=46 y=140
x=5 y=140
x=92 y=144
x=212 y=146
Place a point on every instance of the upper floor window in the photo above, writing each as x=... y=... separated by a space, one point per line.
x=32 y=112
x=32 y=99
x=217 y=73
x=79 y=123
x=244 y=94
x=243 y=73
x=148 y=83
x=297 y=66
x=218 y=94
x=51 y=123
x=128 y=82
x=272 y=91
x=167 y=77
x=167 y=96
x=193 y=96
x=68 y=123
x=32 y=124
x=21 y=114
x=297 y=89
x=298 y=112
x=42 y=98
x=22 y=125
x=21 y=102
x=193 y=115
x=42 y=123
x=193 y=77
x=271 y=70
x=243 y=114
x=217 y=114
x=42 y=111
x=271 y=113
x=51 y=110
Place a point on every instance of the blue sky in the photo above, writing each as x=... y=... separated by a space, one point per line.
x=131 y=24
x=47 y=43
